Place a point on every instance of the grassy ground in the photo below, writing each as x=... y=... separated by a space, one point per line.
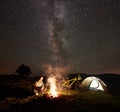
x=85 y=102
x=17 y=95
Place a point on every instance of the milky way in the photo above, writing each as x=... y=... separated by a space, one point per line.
x=57 y=32
x=83 y=34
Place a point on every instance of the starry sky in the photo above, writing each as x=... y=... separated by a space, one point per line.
x=81 y=34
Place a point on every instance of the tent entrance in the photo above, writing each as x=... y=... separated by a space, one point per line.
x=95 y=85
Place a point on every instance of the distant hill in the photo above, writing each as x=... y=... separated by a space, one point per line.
x=112 y=81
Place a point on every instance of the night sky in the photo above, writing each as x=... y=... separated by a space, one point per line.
x=81 y=34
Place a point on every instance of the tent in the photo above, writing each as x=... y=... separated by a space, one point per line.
x=94 y=83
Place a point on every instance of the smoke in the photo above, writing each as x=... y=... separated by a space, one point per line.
x=57 y=71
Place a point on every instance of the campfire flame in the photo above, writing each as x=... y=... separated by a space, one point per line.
x=53 y=87
x=55 y=75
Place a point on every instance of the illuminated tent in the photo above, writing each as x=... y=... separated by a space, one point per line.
x=94 y=83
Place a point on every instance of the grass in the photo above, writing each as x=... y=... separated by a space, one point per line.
x=18 y=96
x=87 y=102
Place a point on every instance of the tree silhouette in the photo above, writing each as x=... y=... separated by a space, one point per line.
x=23 y=70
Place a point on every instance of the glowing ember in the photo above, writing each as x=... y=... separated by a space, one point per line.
x=53 y=88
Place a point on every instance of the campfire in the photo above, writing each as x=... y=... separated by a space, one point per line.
x=50 y=88
x=53 y=87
